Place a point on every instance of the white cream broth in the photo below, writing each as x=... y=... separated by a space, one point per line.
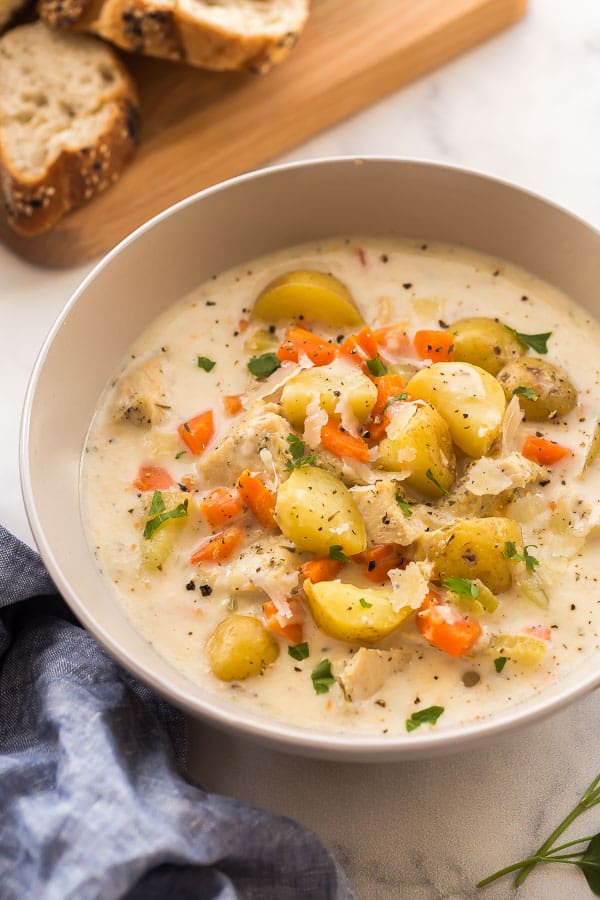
x=392 y=281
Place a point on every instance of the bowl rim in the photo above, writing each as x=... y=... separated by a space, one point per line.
x=282 y=736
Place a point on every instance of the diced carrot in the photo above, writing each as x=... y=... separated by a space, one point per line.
x=394 y=340
x=388 y=386
x=542 y=632
x=243 y=325
x=380 y=559
x=197 y=432
x=542 y=451
x=291 y=633
x=221 y=506
x=220 y=547
x=435 y=345
x=153 y=478
x=321 y=568
x=299 y=341
x=233 y=404
x=360 y=347
x=446 y=629
x=259 y=499
x=342 y=443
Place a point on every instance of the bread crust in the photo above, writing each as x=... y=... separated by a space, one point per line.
x=136 y=26
x=34 y=205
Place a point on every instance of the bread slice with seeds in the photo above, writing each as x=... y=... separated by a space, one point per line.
x=69 y=123
x=212 y=34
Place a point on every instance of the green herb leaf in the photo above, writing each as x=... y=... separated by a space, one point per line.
x=336 y=552
x=321 y=677
x=157 y=505
x=432 y=477
x=376 y=366
x=263 y=366
x=205 y=363
x=179 y=512
x=395 y=399
x=590 y=864
x=464 y=587
x=404 y=505
x=299 y=651
x=427 y=716
x=365 y=604
x=537 y=342
x=510 y=552
x=180 y=454
x=526 y=392
x=297 y=452
x=499 y=663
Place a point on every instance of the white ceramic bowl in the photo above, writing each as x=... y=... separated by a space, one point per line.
x=181 y=248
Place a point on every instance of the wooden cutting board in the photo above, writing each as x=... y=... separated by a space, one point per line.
x=201 y=127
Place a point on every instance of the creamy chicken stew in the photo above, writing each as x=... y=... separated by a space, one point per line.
x=352 y=486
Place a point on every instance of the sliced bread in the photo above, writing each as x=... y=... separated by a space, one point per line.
x=69 y=123
x=213 y=34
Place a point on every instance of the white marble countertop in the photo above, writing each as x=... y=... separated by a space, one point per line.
x=525 y=106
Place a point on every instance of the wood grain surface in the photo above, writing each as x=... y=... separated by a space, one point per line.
x=201 y=127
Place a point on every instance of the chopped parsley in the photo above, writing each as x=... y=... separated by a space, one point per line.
x=395 y=399
x=322 y=678
x=298 y=453
x=537 y=342
x=299 y=651
x=427 y=716
x=526 y=392
x=432 y=477
x=464 y=587
x=510 y=552
x=376 y=366
x=364 y=603
x=180 y=454
x=499 y=663
x=404 y=505
x=159 y=514
x=336 y=552
x=205 y=363
x=263 y=366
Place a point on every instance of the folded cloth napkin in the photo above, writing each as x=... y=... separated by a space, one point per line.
x=93 y=802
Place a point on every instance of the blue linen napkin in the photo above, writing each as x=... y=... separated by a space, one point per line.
x=93 y=802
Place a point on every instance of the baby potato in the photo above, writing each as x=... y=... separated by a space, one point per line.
x=309 y=295
x=473 y=548
x=554 y=392
x=156 y=549
x=316 y=511
x=422 y=443
x=338 y=611
x=485 y=342
x=240 y=647
x=520 y=648
x=468 y=398
x=331 y=384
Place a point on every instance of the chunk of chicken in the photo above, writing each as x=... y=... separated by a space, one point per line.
x=139 y=394
x=368 y=670
x=269 y=565
x=260 y=429
x=385 y=521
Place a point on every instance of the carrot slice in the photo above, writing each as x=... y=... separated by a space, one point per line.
x=342 y=443
x=388 y=386
x=153 y=478
x=321 y=568
x=220 y=547
x=380 y=559
x=197 y=432
x=542 y=451
x=445 y=629
x=292 y=633
x=542 y=632
x=300 y=341
x=435 y=345
x=360 y=347
x=394 y=339
x=221 y=506
x=233 y=404
x=259 y=499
